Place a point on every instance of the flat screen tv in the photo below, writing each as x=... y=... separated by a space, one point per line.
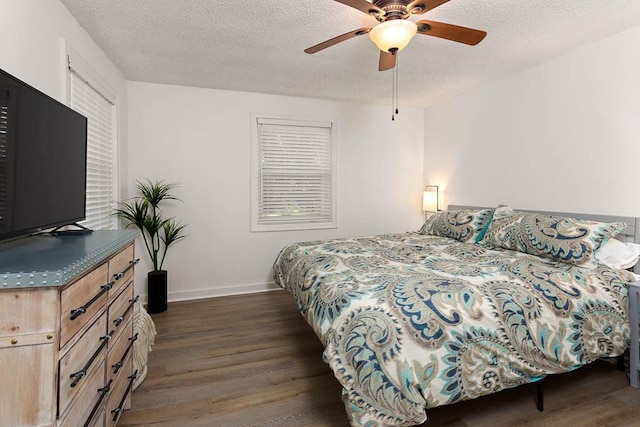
x=43 y=160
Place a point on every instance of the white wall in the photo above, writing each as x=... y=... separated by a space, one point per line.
x=200 y=138
x=562 y=136
x=33 y=35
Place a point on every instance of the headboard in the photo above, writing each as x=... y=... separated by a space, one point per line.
x=629 y=234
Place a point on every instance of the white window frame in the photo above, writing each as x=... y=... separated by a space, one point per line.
x=77 y=66
x=259 y=224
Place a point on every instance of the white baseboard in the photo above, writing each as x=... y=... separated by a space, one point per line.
x=219 y=292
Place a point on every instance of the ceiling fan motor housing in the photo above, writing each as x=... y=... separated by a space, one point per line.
x=395 y=9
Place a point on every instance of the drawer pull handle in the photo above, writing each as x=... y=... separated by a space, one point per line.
x=77 y=376
x=116 y=412
x=77 y=312
x=117 y=321
x=103 y=392
x=116 y=367
x=120 y=275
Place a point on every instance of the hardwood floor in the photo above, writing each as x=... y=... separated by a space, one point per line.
x=251 y=360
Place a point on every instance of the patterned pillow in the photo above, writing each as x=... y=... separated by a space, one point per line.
x=569 y=240
x=464 y=225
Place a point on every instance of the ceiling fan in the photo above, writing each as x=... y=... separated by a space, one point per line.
x=394 y=30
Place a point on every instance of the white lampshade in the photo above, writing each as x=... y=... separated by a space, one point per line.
x=430 y=198
x=395 y=34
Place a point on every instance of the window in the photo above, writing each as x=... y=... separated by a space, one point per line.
x=5 y=113
x=90 y=97
x=293 y=174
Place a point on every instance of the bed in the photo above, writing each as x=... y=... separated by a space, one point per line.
x=479 y=300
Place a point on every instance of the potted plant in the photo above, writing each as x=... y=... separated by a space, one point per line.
x=157 y=231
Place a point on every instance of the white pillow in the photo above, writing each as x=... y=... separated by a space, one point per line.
x=618 y=255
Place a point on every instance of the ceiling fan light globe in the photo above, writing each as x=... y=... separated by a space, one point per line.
x=393 y=35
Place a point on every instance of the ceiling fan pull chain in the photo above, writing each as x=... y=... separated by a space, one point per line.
x=394 y=89
x=397 y=72
x=393 y=94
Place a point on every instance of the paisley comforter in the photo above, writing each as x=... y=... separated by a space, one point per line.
x=412 y=321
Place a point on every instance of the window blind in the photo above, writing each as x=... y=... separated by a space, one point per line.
x=5 y=112
x=100 y=140
x=295 y=173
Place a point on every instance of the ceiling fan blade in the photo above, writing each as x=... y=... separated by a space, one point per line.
x=387 y=61
x=418 y=7
x=451 y=32
x=346 y=36
x=364 y=6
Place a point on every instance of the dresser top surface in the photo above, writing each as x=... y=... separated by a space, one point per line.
x=44 y=260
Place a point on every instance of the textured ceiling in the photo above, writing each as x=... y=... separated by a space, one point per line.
x=257 y=46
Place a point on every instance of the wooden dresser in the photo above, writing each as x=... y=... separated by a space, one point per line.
x=66 y=329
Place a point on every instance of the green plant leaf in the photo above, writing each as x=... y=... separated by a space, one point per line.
x=155 y=192
x=172 y=232
x=134 y=212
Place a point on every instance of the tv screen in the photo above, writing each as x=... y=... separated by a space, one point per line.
x=43 y=160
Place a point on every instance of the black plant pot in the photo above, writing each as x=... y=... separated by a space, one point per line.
x=157 y=291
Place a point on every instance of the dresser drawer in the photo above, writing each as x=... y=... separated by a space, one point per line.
x=120 y=397
x=81 y=301
x=121 y=270
x=100 y=419
x=121 y=350
x=27 y=376
x=81 y=361
x=28 y=311
x=120 y=311
x=89 y=407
